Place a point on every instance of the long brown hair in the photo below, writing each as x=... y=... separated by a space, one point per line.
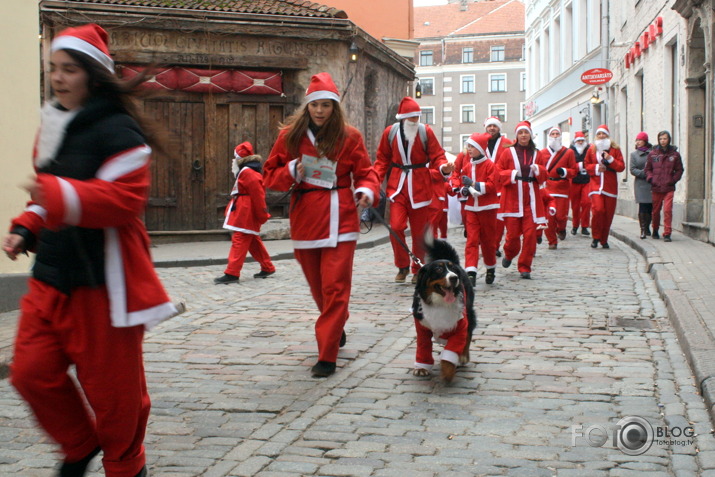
x=330 y=137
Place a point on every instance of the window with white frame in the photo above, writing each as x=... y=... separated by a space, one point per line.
x=427 y=85
x=522 y=81
x=467 y=84
x=427 y=115
x=467 y=111
x=498 y=110
x=522 y=109
x=468 y=54
x=497 y=83
x=497 y=53
x=463 y=141
x=426 y=58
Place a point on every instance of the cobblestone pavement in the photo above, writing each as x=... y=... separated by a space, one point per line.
x=586 y=343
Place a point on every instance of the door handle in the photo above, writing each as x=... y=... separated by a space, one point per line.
x=196 y=165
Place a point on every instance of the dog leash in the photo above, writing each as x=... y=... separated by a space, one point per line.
x=375 y=213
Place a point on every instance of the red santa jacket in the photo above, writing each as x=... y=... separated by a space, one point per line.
x=516 y=193
x=409 y=168
x=605 y=182
x=322 y=217
x=481 y=171
x=455 y=180
x=247 y=210
x=558 y=185
x=439 y=190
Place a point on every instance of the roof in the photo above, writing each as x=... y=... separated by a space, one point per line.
x=481 y=17
x=300 y=8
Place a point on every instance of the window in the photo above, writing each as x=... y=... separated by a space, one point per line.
x=463 y=141
x=497 y=53
x=426 y=58
x=497 y=83
x=427 y=115
x=467 y=84
x=467 y=113
x=498 y=110
x=522 y=81
x=522 y=107
x=468 y=55
x=427 y=85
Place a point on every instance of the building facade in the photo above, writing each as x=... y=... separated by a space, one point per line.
x=470 y=65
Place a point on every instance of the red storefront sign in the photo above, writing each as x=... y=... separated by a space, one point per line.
x=596 y=76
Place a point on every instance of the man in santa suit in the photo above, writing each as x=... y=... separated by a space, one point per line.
x=580 y=202
x=245 y=214
x=408 y=151
x=497 y=142
x=561 y=167
x=521 y=206
x=603 y=162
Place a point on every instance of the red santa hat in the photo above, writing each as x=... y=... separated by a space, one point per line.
x=90 y=39
x=480 y=141
x=243 y=150
x=604 y=129
x=579 y=135
x=555 y=128
x=523 y=125
x=408 y=109
x=492 y=120
x=321 y=87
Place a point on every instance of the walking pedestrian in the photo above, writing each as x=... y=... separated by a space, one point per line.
x=580 y=201
x=93 y=289
x=323 y=159
x=245 y=214
x=438 y=206
x=497 y=143
x=663 y=169
x=407 y=152
x=521 y=206
x=603 y=161
x=641 y=187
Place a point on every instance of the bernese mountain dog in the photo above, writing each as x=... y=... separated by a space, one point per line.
x=443 y=307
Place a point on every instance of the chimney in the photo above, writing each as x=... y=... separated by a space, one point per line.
x=463 y=5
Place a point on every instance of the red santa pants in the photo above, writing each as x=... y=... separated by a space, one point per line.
x=400 y=212
x=664 y=201
x=580 y=205
x=516 y=227
x=480 y=233
x=557 y=223
x=456 y=341
x=57 y=330
x=241 y=243
x=439 y=222
x=498 y=233
x=603 y=208
x=329 y=272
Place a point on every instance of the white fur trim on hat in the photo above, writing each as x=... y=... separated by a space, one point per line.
x=555 y=128
x=317 y=95
x=492 y=120
x=603 y=130
x=408 y=115
x=68 y=42
x=523 y=126
x=475 y=144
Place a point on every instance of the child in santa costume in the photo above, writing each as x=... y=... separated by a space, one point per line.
x=325 y=161
x=245 y=214
x=603 y=162
x=521 y=206
x=407 y=153
x=580 y=187
x=477 y=185
x=93 y=289
x=561 y=167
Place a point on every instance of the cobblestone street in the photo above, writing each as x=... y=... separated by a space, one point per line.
x=586 y=342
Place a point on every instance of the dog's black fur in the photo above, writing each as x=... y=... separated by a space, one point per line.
x=444 y=294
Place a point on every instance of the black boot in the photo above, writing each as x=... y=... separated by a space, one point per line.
x=648 y=218
x=491 y=273
x=656 y=235
x=641 y=221
x=78 y=469
x=472 y=278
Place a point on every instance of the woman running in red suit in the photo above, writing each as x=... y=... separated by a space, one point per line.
x=324 y=158
x=521 y=207
x=93 y=289
x=245 y=214
x=603 y=162
x=580 y=187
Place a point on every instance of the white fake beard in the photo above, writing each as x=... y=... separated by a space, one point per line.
x=580 y=147
x=603 y=144
x=555 y=143
x=411 y=130
x=53 y=127
x=234 y=167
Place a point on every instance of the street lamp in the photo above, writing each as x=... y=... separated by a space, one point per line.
x=586 y=117
x=418 y=90
x=596 y=99
x=353 y=51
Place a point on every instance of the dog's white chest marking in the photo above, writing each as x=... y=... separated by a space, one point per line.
x=441 y=317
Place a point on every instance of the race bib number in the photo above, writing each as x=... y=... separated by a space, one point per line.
x=319 y=171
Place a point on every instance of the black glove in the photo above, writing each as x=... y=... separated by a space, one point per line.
x=477 y=187
x=561 y=172
x=464 y=191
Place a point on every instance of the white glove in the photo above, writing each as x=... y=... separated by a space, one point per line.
x=535 y=170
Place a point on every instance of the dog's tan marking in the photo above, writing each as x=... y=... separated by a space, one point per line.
x=448 y=371
x=421 y=372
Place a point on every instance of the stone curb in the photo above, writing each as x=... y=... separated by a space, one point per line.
x=695 y=339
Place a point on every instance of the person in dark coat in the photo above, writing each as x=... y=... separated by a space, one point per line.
x=663 y=169
x=641 y=187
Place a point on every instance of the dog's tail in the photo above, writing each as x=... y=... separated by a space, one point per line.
x=439 y=249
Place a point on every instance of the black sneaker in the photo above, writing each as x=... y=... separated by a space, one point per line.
x=323 y=369
x=498 y=253
x=605 y=245
x=655 y=234
x=539 y=239
x=263 y=274
x=343 y=339
x=142 y=473
x=584 y=231
x=574 y=230
x=666 y=238
x=472 y=278
x=505 y=262
x=78 y=469
x=491 y=273
x=526 y=275
x=594 y=243
x=226 y=279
